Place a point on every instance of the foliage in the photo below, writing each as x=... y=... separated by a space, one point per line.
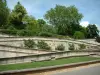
x=60 y=47
x=43 y=45
x=45 y=34
x=31 y=25
x=82 y=46
x=71 y=47
x=92 y=31
x=17 y=15
x=61 y=22
x=65 y=19
x=41 y=22
x=49 y=29
x=79 y=35
x=4 y=13
x=10 y=30
x=29 y=43
x=45 y=28
x=21 y=32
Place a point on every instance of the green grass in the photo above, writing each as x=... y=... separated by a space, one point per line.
x=46 y=63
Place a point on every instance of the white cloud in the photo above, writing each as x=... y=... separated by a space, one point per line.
x=84 y=23
x=98 y=27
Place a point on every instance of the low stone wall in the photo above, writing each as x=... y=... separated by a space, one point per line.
x=47 y=56
x=14 y=47
x=9 y=51
x=5 y=54
x=53 y=43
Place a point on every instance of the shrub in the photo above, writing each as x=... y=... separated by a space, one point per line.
x=82 y=46
x=98 y=39
x=45 y=34
x=79 y=35
x=29 y=43
x=10 y=30
x=60 y=47
x=43 y=45
x=71 y=46
x=21 y=32
x=26 y=33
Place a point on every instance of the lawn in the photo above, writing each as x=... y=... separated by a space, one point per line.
x=46 y=63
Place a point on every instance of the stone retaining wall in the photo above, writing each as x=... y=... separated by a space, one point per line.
x=14 y=47
x=47 y=56
x=9 y=51
x=5 y=54
x=53 y=43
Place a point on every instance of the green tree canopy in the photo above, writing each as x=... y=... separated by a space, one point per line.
x=32 y=26
x=4 y=13
x=41 y=22
x=83 y=30
x=65 y=19
x=17 y=16
x=92 y=31
x=31 y=23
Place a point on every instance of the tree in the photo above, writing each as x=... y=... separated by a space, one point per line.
x=4 y=13
x=79 y=35
x=46 y=30
x=84 y=31
x=17 y=16
x=65 y=19
x=32 y=26
x=41 y=22
x=92 y=31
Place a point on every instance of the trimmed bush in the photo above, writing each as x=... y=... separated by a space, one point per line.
x=43 y=45
x=60 y=47
x=82 y=46
x=29 y=44
x=71 y=47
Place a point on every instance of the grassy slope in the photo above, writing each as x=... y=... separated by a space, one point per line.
x=45 y=63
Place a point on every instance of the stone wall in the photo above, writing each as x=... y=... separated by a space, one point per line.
x=5 y=54
x=12 y=47
x=47 y=56
x=53 y=43
x=9 y=51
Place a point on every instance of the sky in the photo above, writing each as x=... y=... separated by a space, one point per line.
x=89 y=8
